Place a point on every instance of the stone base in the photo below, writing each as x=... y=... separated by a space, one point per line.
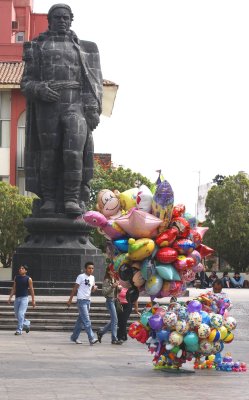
x=57 y=249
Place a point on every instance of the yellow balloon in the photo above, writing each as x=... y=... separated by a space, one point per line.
x=223 y=332
x=128 y=198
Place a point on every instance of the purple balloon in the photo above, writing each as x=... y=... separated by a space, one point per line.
x=156 y=322
x=194 y=306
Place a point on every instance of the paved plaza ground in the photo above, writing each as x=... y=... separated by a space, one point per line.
x=45 y=365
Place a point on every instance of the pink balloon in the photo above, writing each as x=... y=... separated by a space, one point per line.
x=139 y=224
x=198 y=268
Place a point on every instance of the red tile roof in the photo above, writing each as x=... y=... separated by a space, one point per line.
x=11 y=74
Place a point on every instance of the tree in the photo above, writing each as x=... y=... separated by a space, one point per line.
x=219 y=179
x=13 y=209
x=227 y=206
x=113 y=179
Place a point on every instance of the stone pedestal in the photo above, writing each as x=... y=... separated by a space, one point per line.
x=57 y=249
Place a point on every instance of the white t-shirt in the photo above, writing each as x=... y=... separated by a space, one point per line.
x=86 y=283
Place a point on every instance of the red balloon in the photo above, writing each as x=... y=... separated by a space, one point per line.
x=167 y=237
x=178 y=210
x=205 y=250
x=183 y=262
x=182 y=225
x=195 y=236
x=166 y=255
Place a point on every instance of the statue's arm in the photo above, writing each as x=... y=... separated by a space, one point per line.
x=31 y=84
x=92 y=99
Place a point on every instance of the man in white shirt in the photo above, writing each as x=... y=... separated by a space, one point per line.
x=84 y=286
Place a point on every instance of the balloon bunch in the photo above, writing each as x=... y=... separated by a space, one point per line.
x=156 y=247
x=221 y=364
x=182 y=331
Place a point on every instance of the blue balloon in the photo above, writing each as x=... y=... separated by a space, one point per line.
x=205 y=318
x=121 y=245
x=163 y=335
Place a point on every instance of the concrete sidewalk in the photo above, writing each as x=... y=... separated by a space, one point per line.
x=47 y=366
x=41 y=366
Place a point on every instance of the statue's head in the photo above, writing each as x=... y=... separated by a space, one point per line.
x=60 y=17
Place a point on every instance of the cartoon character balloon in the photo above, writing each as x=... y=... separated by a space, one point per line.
x=108 y=203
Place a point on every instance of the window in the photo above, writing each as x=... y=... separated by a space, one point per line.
x=20 y=37
x=20 y=141
x=4 y=119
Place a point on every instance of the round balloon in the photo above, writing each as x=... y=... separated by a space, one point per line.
x=156 y=322
x=144 y=319
x=166 y=255
x=223 y=332
x=154 y=285
x=194 y=319
x=163 y=335
x=190 y=339
x=204 y=331
x=230 y=323
x=182 y=326
x=206 y=347
x=175 y=338
x=214 y=335
x=216 y=320
x=170 y=319
x=194 y=306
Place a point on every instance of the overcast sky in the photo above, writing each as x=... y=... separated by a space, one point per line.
x=182 y=67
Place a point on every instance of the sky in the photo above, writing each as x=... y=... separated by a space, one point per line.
x=182 y=67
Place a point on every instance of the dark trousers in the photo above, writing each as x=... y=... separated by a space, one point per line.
x=122 y=321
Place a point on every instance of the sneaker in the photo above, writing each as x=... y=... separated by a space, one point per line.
x=17 y=333
x=77 y=341
x=27 y=329
x=92 y=342
x=99 y=335
x=117 y=342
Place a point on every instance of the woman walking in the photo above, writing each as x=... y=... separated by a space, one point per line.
x=109 y=289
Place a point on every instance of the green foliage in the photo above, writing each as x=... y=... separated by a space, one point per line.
x=227 y=208
x=13 y=209
x=113 y=179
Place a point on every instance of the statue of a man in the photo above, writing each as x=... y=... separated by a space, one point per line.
x=62 y=82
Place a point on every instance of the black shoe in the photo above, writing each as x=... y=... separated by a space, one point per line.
x=117 y=342
x=93 y=342
x=48 y=206
x=27 y=329
x=99 y=336
x=72 y=208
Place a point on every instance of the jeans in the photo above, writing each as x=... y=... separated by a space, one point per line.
x=83 y=320
x=20 y=307
x=113 y=324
